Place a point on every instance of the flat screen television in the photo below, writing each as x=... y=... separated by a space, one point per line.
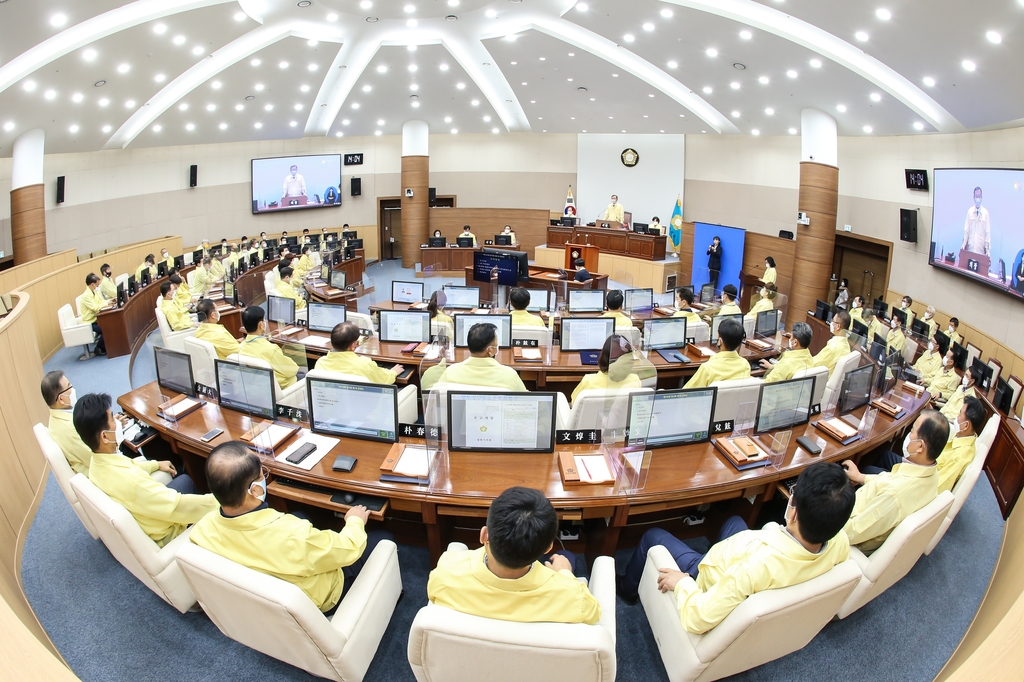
x=276 y=188
x=976 y=226
x=485 y=264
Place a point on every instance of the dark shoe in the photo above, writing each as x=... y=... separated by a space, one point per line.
x=630 y=598
x=100 y=351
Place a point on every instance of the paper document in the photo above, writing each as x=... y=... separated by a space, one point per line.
x=593 y=468
x=531 y=353
x=323 y=444
x=414 y=462
x=289 y=331
x=180 y=406
x=322 y=341
x=270 y=435
x=842 y=427
x=706 y=352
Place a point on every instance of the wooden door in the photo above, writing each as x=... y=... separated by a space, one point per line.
x=390 y=229
x=864 y=263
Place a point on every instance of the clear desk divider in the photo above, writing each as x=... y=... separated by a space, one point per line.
x=296 y=352
x=436 y=444
x=867 y=422
x=744 y=424
x=630 y=459
x=433 y=364
x=496 y=298
x=781 y=303
x=828 y=407
x=166 y=410
x=779 y=445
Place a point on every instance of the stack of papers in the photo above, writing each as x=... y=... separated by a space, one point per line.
x=321 y=341
x=593 y=469
x=706 y=352
x=530 y=353
x=180 y=407
x=414 y=462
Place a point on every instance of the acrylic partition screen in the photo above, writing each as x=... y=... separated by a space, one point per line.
x=733 y=240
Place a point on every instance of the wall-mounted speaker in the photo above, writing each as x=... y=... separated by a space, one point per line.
x=908 y=225
x=193 y=175
x=433 y=195
x=357 y=187
x=60 y=189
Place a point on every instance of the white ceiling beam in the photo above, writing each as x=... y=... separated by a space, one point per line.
x=355 y=55
x=471 y=56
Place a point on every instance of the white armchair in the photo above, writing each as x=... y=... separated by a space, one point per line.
x=74 y=331
x=191 y=277
x=820 y=375
x=542 y=335
x=457 y=647
x=270 y=282
x=278 y=619
x=203 y=355
x=909 y=351
x=732 y=393
x=700 y=333
x=600 y=408
x=766 y=626
x=121 y=279
x=122 y=535
x=175 y=340
x=632 y=334
x=63 y=472
x=293 y=396
x=408 y=397
x=845 y=364
x=898 y=554
x=361 y=320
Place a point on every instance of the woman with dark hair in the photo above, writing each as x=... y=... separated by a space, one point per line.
x=714 y=260
x=435 y=307
x=843 y=295
x=769 y=276
x=615 y=367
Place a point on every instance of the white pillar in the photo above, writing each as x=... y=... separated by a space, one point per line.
x=819 y=139
x=27 y=164
x=414 y=138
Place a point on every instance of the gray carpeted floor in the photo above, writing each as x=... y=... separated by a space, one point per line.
x=110 y=627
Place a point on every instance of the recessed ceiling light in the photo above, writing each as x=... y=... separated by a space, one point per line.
x=216 y=85
x=651 y=94
x=682 y=115
x=313 y=67
x=769 y=111
x=862 y=36
x=240 y=16
x=414 y=87
x=567 y=79
x=377 y=133
x=178 y=40
x=370 y=20
x=106 y=129
x=994 y=37
x=543 y=59
x=493 y=13
x=382 y=69
x=734 y=85
x=815 y=63
x=312 y=42
x=250 y=97
x=211 y=107
x=928 y=81
x=582 y=7
x=282 y=65
x=355 y=105
x=365 y=4
x=411 y=48
x=615 y=75
x=29 y=85
x=367 y=88
x=711 y=52
x=475 y=103
x=868 y=129
x=159 y=78
x=159 y=29
x=50 y=94
x=841 y=108
x=256 y=62
x=104 y=102
x=735 y=114
x=198 y=50
x=257 y=124
x=345 y=122
x=763 y=80
x=338 y=134
x=332 y=17
x=666 y=13
x=883 y=14
x=524 y=82
x=453 y=3
x=918 y=125
x=223 y=126
x=409 y=9
x=415 y=104
x=77 y=97
x=875 y=97
x=89 y=55
x=156 y=129
x=258 y=87
x=380 y=122
x=443 y=67
x=672 y=65
x=541 y=118
x=755 y=131
x=298 y=107
x=746 y=35
x=648 y=26
x=268 y=107
x=447 y=119
x=123 y=68
x=455 y=131
x=304 y=88
x=190 y=126
x=73 y=128
x=460 y=86
x=58 y=20
x=968 y=65
x=792 y=73
x=792 y=131
x=239 y=107
x=9 y=126
x=183 y=106
x=707 y=90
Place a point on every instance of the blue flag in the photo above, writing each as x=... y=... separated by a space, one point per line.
x=675 y=230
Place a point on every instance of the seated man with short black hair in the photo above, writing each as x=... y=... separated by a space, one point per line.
x=795 y=359
x=684 y=299
x=504 y=579
x=744 y=562
x=162 y=511
x=729 y=306
x=614 y=303
x=519 y=299
x=322 y=563
x=726 y=363
x=213 y=332
x=481 y=369
x=837 y=346
x=342 y=357
x=177 y=318
x=581 y=271
x=257 y=346
x=959 y=451
x=286 y=287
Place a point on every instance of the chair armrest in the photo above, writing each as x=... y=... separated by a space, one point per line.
x=602 y=586
x=370 y=585
x=863 y=561
x=562 y=411
x=167 y=553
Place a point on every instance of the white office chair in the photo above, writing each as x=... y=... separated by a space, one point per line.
x=362 y=320
x=203 y=355
x=631 y=334
x=909 y=351
x=78 y=306
x=277 y=618
x=733 y=393
x=408 y=397
x=293 y=396
x=963 y=487
x=845 y=364
x=270 y=282
x=749 y=325
x=74 y=331
x=448 y=645
x=820 y=375
x=63 y=472
x=122 y=535
x=191 y=277
x=898 y=554
x=175 y=340
x=700 y=333
x=765 y=626
x=122 y=279
x=542 y=335
x=600 y=408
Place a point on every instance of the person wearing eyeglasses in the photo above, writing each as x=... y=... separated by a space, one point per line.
x=726 y=363
x=614 y=368
x=794 y=360
x=962 y=446
x=481 y=369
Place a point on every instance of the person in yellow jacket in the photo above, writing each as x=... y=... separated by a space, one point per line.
x=481 y=369
x=343 y=358
x=182 y=294
x=764 y=303
x=794 y=360
x=90 y=305
x=968 y=387
x=898 y=485
x=519 y=299
x=960 y=450
x=837 y=346
x=684 y=299
x=857 y=309
x=952 y=333
x=729 y=306
x=614 y=368
x=726 y=363
x=615 y=212
x=437 y=317
x=59 y=396
x=770 y=276
x=929 y=364
x=896 y=340
x=322 y=563
x=256 y=346
x=613 y=301
x=929 y=319
x=466 y=233
x=304 y=265
x=212 y=331
x=108 y=289
x=874 y=325
x=162 y=511
x=514 y=576
x=708 y=587
x=217 y=270
x=946 y=381
x=203 y=279
x=177 y=319
x=286 y=288
x=150 y=263
x=167 y=258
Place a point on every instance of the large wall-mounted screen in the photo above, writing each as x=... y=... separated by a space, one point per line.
x=288 y=183
x=977 y=228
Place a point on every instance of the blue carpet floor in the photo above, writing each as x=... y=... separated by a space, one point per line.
x=110 y=627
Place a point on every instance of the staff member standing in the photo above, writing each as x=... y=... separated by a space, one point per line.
x=91 y=304
x=714 y=261
x=614 y=212
x=770 y=276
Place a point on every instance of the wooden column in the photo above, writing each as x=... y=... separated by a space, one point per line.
x=819 y=197
x=415 y=209
x=28 y=223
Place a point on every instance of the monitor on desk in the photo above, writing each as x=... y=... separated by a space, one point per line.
x=354 y=244
x=521 y=260
x=122 y=295
x=856 y=389
x=349 y=234
x=640 y=228
x=821 y=310
x=784 y=404
x=888 y=372
x=484 y=421
x=959 y=357
x=464 y=242
x=638 y=299
x=717 y=321
x=879 y=340
x=229 y=292
x=179 y=262
x=404 y=326
x=348 y=253
x=881 y=307
x=435 y=242
x=877 y=350
x=348 y=409
x=568 y=221
x=673 y=417
x=488 y=266
x=245 y=389
x=503 y=240
x=132 y=286
x=174 y=371
x=1003 y=399
x=586 y=301
x=585 y=333
x=665 y=332
x=981 y=369
x=901 y=316
x=187 y=258
x=338 y=279
x=197 y=257
x=325 y=273
x=859 y=328
x=539 y=300
x=145 y=277
x=942 y=341
x=767 y=323
x=463 y=323
x=324 y=317
x=281 y=309
x=406 y=292
x=920 y=327
x=333 y=236
x=461 y=298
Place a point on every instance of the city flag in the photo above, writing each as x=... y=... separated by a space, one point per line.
x=675 y=230
x=570 y=205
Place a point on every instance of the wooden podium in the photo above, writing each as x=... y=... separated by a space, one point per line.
x=977 y=263
x=587 y=252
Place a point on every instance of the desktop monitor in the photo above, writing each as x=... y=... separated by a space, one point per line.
x=245 y=389
x=404 y=326
x=464 y=242
x=586 y=301
x=539 y=300
x=197 y=257
x=487 y=264
x=461 y=298
x=640 y=228
x=1003 y=399
x=920 y=327
x=325 y=273
x=484 y=421
x=784 y=404
x=901 y=316
x=521 y=260
x=881 y=307
x=179 y=262
x=436 y=242
x=281 y=309
x=348 y=254
x=880 y=340
x=665 y=332
x=821 y=310
x=349 y=409
x=673 y=417
x=254 y=259
x=229 y=292
x=503 y=240
x=586 y=333
x=463 y=323
x=354 y=244
x=717 y=321
x=188 y=258
x=856 y=389
x=859 y=328
x=888 y=372
x=146 y=275
x=122 y=295
x=877 y=350
x=406 y=292
x=333 y=236
x=324 y=317
x=232 y=274
x=349 y=234
x=981 y=369
x=568 y=220
x=338 y=279
x=767 y=323
x=942 y=341
x=174 y=371
x=638 y=299
x=132 y=285
x=959 y=357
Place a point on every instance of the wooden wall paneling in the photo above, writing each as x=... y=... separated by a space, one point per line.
x=28 y=223
x=686 y=253
x=530 y=225
x=815 y=243
x=759 y=246
x=14 y=277
x=415 y=209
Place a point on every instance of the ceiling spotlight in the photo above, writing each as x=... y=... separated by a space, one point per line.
x=792 y=73
x=447 y=119
x=268 y=107
x=240 y=16
x=918 y=125
x=746 y=35
x=355 y=105
x=298 y=107
x=258 y=87
x=769 y=111
x=755 y=131
x=524 y=82
x=443 y=67
x=255 y=62
x=30 y=85
x=216 y=85
x=338 y=134
x=178 y=40
x=365 y=4
x=239 y=107
x=183 y=106
x=792 y=131
x=123 y=68
x=409 y=9
x=615 y=75
x=159 y=29
x=159 y=78
x=312 y=42
x=868 y=129
x=345 y=122
x=198 y=50
x=708 y=90
x=490 y=14
x=496 y=131
x=223 y=126
x=672 y=65
x=734 y=85
x=377 y=133
x=475 y=103
x=50 y=94
x=104 y=102
x=382 y=69
x=460 y=86
x=380 y=122
x=313 y=67
x=815 y=63
x=89 y=55
x=367 y=88
x=190 y=126
x=9 y=126
x=648 y=26
x=282 y=65
x=883 y=14
x=413 y=68
x=841 y=108
x=994 y=37
x=875 y=97
x=156 y=129
x=582 y=7
x=455 y=131
x=74 y=128
x=257 y=124
x=332 y=17
x=487 y=119
x=968 y=65
x=211 y=107
x=928 y=81
x=735 y=114
x=301 y=3
x=411 y=48
x=862 y=36
x=250 y=97
x=369 y=20
x=711 y=52
x=453 y=3
x=415 y=104
x=58 y=20
x=106 y=129
x=763 y=80
x=77 y=97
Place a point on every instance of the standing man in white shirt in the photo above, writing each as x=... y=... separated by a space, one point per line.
x=977 y=234
x=294 y=184
x=614 y=212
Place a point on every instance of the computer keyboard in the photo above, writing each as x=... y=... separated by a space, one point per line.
x=374 y=504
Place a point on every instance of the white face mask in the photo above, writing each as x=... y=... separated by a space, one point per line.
x=950 y=329
x=947 y=362
x=962 y=426
x=903 y=305
x=71 y=397
x=895 y=323
x=931 y=347
x=792 y=344
x=906 y=446
x=927 y=316
x=965 y=381
x=262 y=495
x=118 y=433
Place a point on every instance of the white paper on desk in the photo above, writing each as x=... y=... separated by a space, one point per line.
x=289 y=331
x=593 y=468
x=481 y=311
x=432 y=352
x=323 y=444
x=531 y=353
x=179 y=407
x=322 y=341
x=414 y=462
x=706 y=352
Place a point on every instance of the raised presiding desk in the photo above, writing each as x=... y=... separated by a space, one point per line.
x=610 y=240
x=541 y=278
x=678 y=477
x=447 y=258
